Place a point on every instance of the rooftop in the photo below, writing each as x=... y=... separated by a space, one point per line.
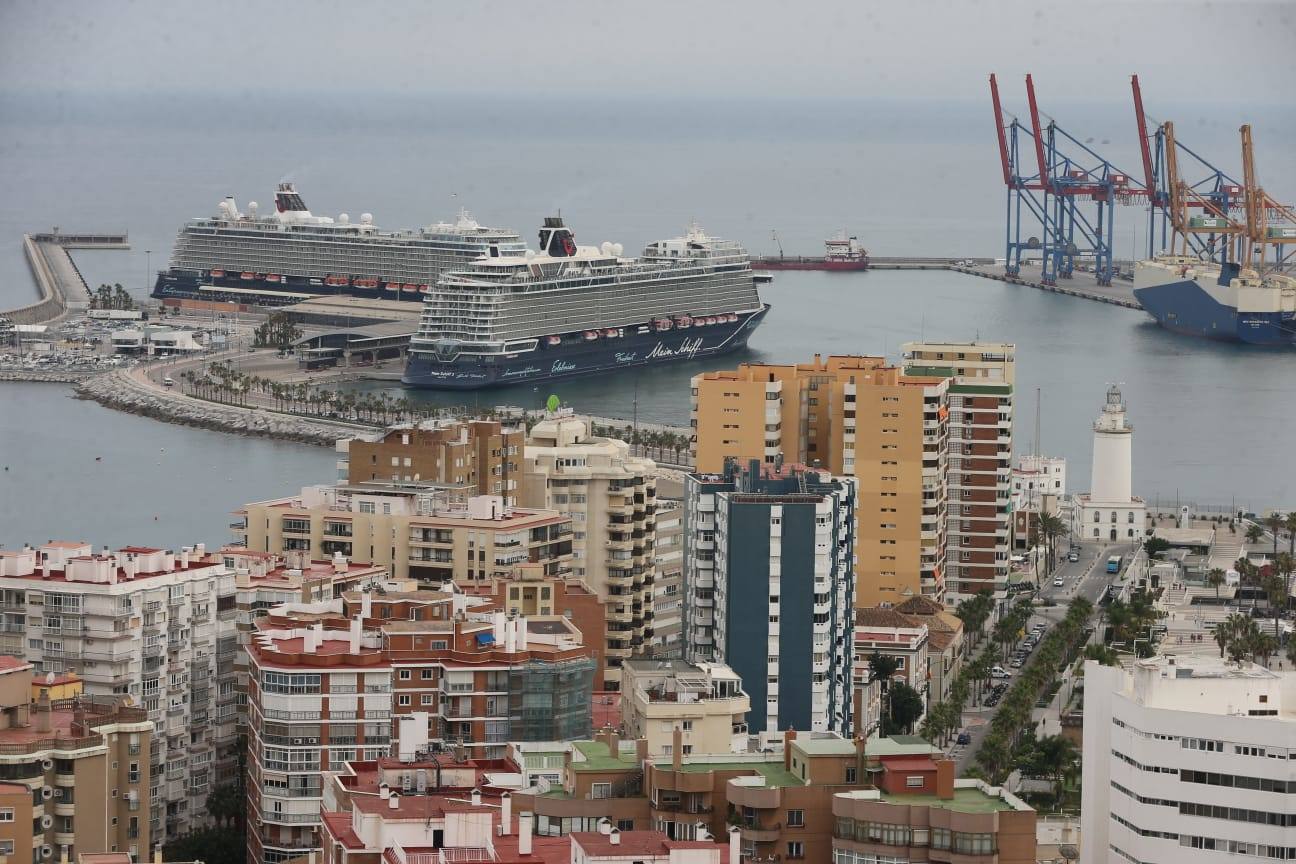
x=598 y=758
x=965 y=800
x=900 y=745
x=773 y=772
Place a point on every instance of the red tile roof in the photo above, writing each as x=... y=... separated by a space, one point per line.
x=12 y=664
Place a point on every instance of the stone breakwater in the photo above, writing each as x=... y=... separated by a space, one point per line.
x=49 y=376
x=124 y=392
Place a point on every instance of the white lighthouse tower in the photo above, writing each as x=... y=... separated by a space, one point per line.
x=1109 y=510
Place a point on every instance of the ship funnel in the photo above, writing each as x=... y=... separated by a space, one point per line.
x=556 y=239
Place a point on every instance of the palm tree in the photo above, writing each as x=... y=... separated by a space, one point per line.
x=1052 y=527
x=1263 y=646
x=1290 y=524
x=1058 y=757
x=1275 y=588
x=1246 y=573
x=1215 y=578
x=1274 y=522
x=1254 y=532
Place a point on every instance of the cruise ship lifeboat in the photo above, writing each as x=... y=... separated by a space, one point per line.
x=683 y=322
x=611 y=333
x=366 y=283
x=662 y=324
x=423 y=289
x=591 y=335
x=272 y=277
x=336 y=280
x=247 y=277
x=410 y=286
x=553 y=340
x=732 y=318
x=217 y=273
x=393 y=286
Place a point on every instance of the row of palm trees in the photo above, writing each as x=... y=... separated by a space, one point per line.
x=1133 y=623
x=1240 y=638
x=1002 y=747
x=650 y=441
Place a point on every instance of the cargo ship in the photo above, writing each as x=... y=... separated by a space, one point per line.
x=293 y=254
x=571 y=310
x=1213 y=301
x=841 y=252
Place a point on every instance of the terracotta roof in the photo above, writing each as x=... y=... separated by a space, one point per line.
x=881 y=616
x=919 y=605
x=339 y=826
x=940 y=639
x=12 y=664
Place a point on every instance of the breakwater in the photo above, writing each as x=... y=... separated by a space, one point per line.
x=124 y=391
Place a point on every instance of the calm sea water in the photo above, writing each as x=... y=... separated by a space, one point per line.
x=1213 y=421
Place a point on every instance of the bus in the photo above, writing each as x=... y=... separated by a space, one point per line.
x=1114 y=563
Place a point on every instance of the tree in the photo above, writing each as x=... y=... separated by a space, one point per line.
x=211 y=845
x=1058 y=758
x=1274 y=522
x=1275 y=588
x=278 y=331
x=1221 y=636
x=1104 y=654
x=1155 y=547
x=1215 y=578
x=1290 y=524
x=1254 y=532
x=1052 y=527
x=904 y=707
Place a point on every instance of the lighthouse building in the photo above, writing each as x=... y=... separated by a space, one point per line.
x=1109 y=510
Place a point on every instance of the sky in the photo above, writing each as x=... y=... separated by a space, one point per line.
x=913 y=50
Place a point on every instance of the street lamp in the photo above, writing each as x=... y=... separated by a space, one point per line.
x=148 y=266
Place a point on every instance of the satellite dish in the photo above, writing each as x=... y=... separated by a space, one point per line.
x=552 y=403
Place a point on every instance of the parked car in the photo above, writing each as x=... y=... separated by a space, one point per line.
x=964 y=738
x=1000 y=672
x=1058 y=582
x=1017 y=662
x=1073 y=556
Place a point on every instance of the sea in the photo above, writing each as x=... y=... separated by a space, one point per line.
x=1213 y=422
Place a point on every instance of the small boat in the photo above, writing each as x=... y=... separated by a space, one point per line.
x=611 y=333
x=662 y=324
x=392 y=286
x=733 y=318
x=553 y=340
x=366 y=283
x=336 y=280
x=217 y=273
x=423 y=289
x=591 y=335
x=272 y=277
x=683 y=322
x=247 y=277
x=410 y=286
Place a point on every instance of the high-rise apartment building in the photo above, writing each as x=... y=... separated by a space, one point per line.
x=668 y=589
x=1188 y=759
x=419 y=532
x=341 y=680
x=610 y=497
x=146 y=623
x=770 y=588
x=479 y=457
x=855 y=417
x=77 y=773
x=979 y=478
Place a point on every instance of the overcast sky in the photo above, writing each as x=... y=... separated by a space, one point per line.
x=1210 y=52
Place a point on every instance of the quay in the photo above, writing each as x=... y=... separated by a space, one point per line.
x=58 y=281
x=1081 y=284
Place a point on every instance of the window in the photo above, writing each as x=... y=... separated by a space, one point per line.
x=796 y=818
x=425 y=674
x=850 y=774
x=914 y=781
x=6 y=847
x=403 y=699
x=425 y=699
x=796 y=849
x=600 y=790
x=6 y=814
x=405 y=674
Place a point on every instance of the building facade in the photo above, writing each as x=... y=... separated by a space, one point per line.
x=1110 y=511
x=1188 y=759
x=416 y=532
x=479 y=457
x=704 y=701
x=980 y=459
x=77 y=773
x=668 y=588
x=610 y=498
x=148 y=624
x=770 y=589
x=856 y=417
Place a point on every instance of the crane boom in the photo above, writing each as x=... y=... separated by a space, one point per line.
x=1149 y=175
x=999 y=130
x=1045 y=184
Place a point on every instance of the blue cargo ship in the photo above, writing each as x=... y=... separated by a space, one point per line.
x=1211 y=301
x=573 y=310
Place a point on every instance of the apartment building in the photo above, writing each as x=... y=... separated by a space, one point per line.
x=918 y=811
x=1188 y=758
x=856 y=417
x=668 y=590
x=884 y=631
x=415 y=531
x=704 y=701
x=768 y=554
x=610 y=497
x=146 y=623
x=336 y=681
x=478 y=457
x=76 y=773
x=979 y=478
x=945 y=649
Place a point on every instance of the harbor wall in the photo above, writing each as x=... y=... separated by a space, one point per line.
x=53 y=301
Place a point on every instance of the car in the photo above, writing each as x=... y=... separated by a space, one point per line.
x=964 y=738
x=1059 y=582
x=1016 y=662
x=1000 y=672
x=1073 y=556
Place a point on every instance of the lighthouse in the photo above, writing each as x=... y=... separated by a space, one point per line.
x=1109 y=510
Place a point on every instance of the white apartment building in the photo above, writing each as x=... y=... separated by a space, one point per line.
x=610 y=497
x=1035 y=477
x=1188 y=759
x=668 y=592
x=145 y=623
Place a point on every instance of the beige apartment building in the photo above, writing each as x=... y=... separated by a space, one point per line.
x=703 y=702
x=857 y=417
x=479 y=457
x=980 y=459
x=610 y=497
x=415 y=531
x=76 y=773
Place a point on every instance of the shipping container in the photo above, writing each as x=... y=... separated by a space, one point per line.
x=1207 y=222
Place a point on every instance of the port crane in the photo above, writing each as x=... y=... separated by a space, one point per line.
x=1261 y=210
x=1070 y=192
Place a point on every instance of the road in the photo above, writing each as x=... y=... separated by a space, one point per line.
x=1084 y=578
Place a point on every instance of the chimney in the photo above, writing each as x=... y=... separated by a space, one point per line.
x=339 y=563
x=200 y=551
x=355 y=634
x=310 y=857
x=157 y=854
x=860 y=762
x=789 y=736
x=184 y=557
x=524 y=833
x=384 y=791
x=614 y=836
x=393 y=802
x=476 y=797
x=521 y=633
x=43 y=712
x=735 y=844
x=614 y=744
x=366 y=605
x=945 y=778
x=506 y=814
x=677 y=749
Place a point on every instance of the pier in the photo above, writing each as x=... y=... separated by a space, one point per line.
x=58 y=281
x=1080 y=284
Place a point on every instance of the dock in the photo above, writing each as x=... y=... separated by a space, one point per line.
x=59 y=283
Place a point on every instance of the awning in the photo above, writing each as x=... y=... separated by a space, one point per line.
x=485 y=638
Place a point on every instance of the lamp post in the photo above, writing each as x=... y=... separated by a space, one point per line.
x=148 y=266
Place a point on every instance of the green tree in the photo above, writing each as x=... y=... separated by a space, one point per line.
x=210 y=845
x=1059 y=759
x=1104 y=654
x=1275 y=588
x=1155 y=547
x=904 y=707
x=1254 y=532
x=1215 y=578
x=1051 y=527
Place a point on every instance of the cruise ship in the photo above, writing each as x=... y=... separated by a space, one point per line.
x=292 y=254
x=573 y=310
x=1199 y=298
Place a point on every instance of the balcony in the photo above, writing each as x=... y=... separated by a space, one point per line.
x=761 y=834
